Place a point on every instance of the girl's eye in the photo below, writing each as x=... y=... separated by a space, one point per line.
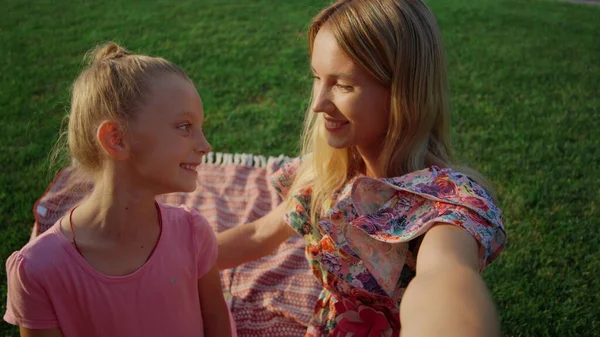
x=315 y=77
x=185 y=127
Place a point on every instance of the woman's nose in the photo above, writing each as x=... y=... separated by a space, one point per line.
x=321 y=101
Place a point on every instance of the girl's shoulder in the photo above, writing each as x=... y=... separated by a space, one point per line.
x=188 y=225
x=182 y=215
x=186 y=222
x=42 y=255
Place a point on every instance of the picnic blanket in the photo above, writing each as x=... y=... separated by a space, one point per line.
x=273 y=296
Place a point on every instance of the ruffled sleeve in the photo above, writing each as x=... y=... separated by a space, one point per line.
x=394 y=211
x=283 y=178
x=298 y=216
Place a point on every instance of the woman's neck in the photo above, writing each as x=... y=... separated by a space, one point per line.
x=371 y=166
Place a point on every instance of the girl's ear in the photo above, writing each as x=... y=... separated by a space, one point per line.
x=111 y=138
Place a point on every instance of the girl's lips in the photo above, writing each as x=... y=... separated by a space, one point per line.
x=189 y=166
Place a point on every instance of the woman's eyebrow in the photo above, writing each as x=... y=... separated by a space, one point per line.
x=341 y=76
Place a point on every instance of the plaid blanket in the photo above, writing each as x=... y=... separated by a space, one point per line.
x=273 y=296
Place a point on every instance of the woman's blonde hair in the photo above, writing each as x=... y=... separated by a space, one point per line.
x=112 y=87
x=398 y=42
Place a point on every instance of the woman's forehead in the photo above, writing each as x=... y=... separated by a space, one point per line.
x=328 y=58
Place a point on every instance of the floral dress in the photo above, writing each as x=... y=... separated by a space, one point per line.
x=363 y=249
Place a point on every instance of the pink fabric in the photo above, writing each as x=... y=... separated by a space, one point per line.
x=271 y=297
x=50 y=284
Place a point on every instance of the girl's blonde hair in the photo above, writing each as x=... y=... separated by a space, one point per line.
x=112 y=87
x=398 y=42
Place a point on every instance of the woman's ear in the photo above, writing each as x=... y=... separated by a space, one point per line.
x=111 y=138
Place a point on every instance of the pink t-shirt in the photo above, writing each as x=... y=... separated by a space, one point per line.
x=50 y=285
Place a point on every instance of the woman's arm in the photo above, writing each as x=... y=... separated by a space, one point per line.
x=253 y=240
x=41 y=332
x=215 y=314
x=448 y=297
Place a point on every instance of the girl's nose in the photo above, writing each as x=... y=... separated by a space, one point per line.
x=203 y=146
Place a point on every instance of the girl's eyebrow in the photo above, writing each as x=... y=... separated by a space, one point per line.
x=191 y=116
x=187 y=114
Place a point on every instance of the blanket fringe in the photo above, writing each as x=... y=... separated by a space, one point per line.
x=245 y=159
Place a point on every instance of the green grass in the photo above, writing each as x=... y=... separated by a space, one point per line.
x=525 y=77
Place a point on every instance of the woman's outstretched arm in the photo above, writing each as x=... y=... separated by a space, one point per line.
x=448 y=297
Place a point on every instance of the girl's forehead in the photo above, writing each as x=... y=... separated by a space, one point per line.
x=170 y=98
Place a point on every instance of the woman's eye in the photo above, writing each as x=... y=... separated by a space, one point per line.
x=345 y=87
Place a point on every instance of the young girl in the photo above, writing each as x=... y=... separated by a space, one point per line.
x=395 y=232
x=120 y=264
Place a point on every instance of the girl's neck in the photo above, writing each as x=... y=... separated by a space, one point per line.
x=117 y=209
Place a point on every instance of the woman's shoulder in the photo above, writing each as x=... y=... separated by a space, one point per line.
x=439 y=184
x=433 y=175
x=393 y=211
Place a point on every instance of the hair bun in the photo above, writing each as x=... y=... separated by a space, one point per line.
x=108 y=51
